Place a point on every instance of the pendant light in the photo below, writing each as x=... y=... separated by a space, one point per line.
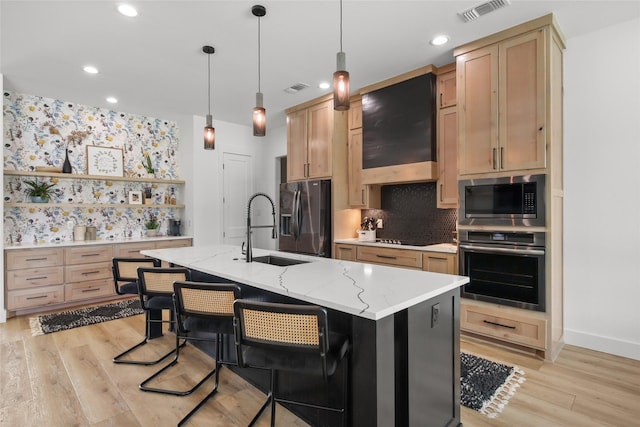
x=259 y=113
x=209 y=130
x=341 y=77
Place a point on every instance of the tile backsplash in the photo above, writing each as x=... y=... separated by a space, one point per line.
x=409 y=213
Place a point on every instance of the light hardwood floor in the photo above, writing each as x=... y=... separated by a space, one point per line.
x=67 y=379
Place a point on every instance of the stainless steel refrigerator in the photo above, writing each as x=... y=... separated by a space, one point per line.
x=305 y=217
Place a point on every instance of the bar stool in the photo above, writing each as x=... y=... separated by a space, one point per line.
x=288 y=337
x=155 y=288
x=126 y=270
x=204 y=312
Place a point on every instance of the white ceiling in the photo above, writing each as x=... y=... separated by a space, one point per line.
x=155 y=66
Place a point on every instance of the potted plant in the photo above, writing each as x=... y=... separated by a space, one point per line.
x=152 y=226
x=40 y=192
x=148 y=166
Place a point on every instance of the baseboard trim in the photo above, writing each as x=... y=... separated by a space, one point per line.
x=609 y=345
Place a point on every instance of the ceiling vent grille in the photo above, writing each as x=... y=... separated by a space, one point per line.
x=483 y=8
x=296 y=88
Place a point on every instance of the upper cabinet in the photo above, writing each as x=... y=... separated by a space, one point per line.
x=360 y=195
x=503 y=101
x=309 y=141
x=447 y=185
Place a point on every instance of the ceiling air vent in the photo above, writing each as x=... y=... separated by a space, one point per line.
x=482 y=9
x=296 y=88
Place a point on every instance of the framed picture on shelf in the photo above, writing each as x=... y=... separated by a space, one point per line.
x=135 y=197
x=106 y=161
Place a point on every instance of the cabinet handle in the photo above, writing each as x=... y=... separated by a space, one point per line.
x=386 y=256
x=86 y=273
x=441 y=189
x=362 y=195
x=499 y=324
x=440 y=99
x=36 y=259
x=90 y=290
x=494 y=159
x=90 y=255
x=38 y=297
x=501 y=157
x=37 y=278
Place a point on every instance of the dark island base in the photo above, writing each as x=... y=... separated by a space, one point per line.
x=404 y=371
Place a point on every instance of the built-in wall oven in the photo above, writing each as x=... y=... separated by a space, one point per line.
x=504 y=267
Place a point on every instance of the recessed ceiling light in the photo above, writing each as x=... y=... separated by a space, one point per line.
x=111 y=100
x=324 y=85
x=90 y=69
x=439 y=40
x=127 y=10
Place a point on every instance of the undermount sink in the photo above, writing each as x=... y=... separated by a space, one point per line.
x=279 y=261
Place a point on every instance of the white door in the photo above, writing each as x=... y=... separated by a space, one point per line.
x=237 y=181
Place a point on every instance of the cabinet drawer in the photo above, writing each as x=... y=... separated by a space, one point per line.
x=87 y=290
x=516 y=328
x=181 y=243
x=85 y=272
x=31 y=278
x=439 y=262
x=397 y=257
x=87 y=254
x=131 y=250
x=33 y=258
x=27 y=298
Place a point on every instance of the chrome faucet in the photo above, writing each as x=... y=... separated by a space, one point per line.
x=274 y=232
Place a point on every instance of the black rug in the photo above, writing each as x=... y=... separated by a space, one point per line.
x=487 y=386
x=63 y=320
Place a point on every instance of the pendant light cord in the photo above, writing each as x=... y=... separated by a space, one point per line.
x=209 y=81
x=340 y=25
x=259 y=54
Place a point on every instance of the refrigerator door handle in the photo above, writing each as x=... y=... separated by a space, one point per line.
x=295 y=214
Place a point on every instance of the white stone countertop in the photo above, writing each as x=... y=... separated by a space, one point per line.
x=451 y=248
x=364 y=290
x=69 y=243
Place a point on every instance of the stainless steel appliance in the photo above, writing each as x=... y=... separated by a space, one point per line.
x=504 y=267
x=174 y=227
x=513 y=200
x=305 y=217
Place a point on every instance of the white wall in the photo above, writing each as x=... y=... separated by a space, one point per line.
x=203 y=171
x=602 y=190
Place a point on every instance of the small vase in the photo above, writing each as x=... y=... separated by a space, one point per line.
x=66 y=166
x=152 y=233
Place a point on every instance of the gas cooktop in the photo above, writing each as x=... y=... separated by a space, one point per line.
x=403 y=242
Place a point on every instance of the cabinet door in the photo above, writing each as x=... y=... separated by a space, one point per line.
x=477 y=88
x=355 y=114
x=319 y=140
x=447 y=190
x=297 y=145
x=447 y=90
x=345 y=252
x=439 y=262
x=522 y=102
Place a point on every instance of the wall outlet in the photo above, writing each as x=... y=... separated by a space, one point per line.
x=435 y=315
x=379 y=223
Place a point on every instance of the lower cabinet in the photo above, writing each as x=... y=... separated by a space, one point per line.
x=436 y=262
x=45 y=277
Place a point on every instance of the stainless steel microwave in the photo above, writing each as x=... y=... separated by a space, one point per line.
x=512 y=200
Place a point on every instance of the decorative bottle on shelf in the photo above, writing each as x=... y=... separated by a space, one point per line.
x=172 y=197
x=66 y=166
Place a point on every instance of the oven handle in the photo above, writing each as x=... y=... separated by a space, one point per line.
x=520 y=251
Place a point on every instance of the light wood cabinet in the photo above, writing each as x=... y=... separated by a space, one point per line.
x=447 y=185
x=447 y=95
x=345 y=252
x=39 y=278
x=360 y=195
x=440 y=262
x=502 y=104
x=390 y=256
x=309 y=142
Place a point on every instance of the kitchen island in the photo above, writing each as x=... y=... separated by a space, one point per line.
x=403 y=326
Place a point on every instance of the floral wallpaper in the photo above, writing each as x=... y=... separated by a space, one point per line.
x=37 y=133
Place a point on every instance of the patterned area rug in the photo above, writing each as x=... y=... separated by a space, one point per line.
x=63 y=320
x=487 y=386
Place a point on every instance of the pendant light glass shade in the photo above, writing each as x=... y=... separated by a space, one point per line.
x=341 y=85
x=209 y=134
x=341 y=77
x=259 y=113
x=209 y=130
x=259 y=117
